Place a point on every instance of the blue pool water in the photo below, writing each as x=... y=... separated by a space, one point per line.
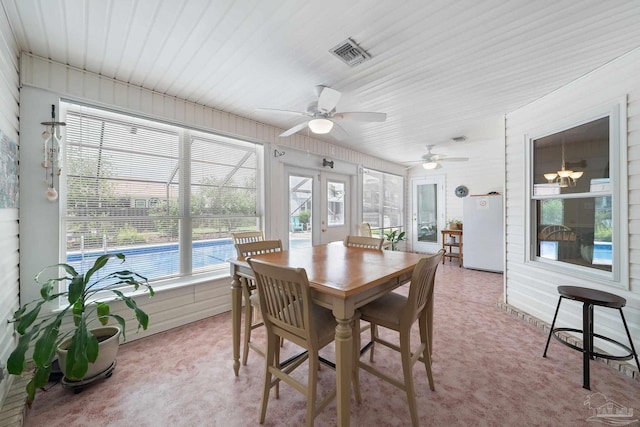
x=602 y=253
x=156 y=261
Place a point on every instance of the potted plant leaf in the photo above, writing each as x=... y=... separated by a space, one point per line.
x=395 y=236
x=86 y=298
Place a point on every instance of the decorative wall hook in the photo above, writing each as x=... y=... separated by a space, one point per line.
x=52 y=152
x=326 y=163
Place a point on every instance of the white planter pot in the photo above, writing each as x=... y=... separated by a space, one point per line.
x=107 y=351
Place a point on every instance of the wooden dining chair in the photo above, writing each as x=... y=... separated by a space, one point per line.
x=247 y=237
x=364 y=229
x=363 y=242
x=398 y=313
x=289 y=313
x=251 y=302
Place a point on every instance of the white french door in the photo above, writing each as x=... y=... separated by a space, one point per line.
x=428 y=213
x=335 y=209
x=319 y=207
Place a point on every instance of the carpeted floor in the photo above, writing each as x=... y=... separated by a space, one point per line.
x=488 y=371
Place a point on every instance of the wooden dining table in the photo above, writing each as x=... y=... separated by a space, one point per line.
x=341 y=279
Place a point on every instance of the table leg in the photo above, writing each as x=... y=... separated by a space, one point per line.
x=236 y=308
x=587 y=343
x=344 y=363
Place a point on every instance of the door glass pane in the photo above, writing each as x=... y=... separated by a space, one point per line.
x=427 y=223
x=300 y=202
x=335 y=203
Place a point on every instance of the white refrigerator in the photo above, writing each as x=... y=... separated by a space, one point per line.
x=482 y=233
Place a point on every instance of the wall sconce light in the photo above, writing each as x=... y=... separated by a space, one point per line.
x=52 y=151
x=326 y=163
x=277 y=153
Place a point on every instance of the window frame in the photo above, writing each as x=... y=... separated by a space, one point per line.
x=616 y=110
x=186 y=275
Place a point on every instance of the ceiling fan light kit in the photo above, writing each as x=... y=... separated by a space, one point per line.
x=320 y=126
x=322 y=117
x=430 y=165
x=432 y=160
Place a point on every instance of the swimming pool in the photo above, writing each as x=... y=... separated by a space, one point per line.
x=602 y=253
x=159 y=261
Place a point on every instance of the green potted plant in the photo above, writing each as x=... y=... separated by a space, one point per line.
x=394 y=237
x=82 y=302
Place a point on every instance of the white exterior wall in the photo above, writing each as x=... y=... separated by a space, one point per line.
x=531 y=287
x=45 y=83
x=9 y=245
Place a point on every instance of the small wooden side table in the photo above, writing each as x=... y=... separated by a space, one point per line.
x=452 y=239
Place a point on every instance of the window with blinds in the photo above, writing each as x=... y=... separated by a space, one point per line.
x=134 y=186
x=382 y=201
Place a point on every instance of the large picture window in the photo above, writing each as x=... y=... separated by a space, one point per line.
x=167 y=197
x=383 y=201
x=575 y=222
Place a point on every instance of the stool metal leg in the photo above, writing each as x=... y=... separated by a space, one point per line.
x=626 y=328
x=591 y=335
x=552 y=325
x=587 y=342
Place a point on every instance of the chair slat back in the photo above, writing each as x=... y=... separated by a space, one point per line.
x=562 y=235
x=421 y=288
x=257 y=248
x=364 y=229
x=363 y=242
x=284 y=294
x=549 y=229
x=247 y=237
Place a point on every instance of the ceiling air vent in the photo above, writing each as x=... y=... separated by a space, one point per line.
x=350 y=53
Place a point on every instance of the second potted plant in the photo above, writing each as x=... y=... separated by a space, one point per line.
x=80 y=346
x=394 y=237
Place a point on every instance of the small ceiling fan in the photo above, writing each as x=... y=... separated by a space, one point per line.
x=322 y=117
x=432 y=160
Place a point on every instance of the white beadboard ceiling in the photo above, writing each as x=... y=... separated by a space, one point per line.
x=439 y=69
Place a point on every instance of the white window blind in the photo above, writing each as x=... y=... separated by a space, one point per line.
x=123 y=193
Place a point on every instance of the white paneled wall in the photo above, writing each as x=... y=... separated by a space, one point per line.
x=483 y=173
x=531 y=287
x=46 y=82
x=9 y=244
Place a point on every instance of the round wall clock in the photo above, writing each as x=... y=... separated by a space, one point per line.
x=462 y=191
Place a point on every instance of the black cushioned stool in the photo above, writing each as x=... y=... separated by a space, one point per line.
x=591 y=298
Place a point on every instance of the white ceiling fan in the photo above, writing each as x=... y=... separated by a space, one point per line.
x=432 y=160
x=322 y=117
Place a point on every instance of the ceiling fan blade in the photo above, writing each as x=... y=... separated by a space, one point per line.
x=274 y=110
x=294 y=129
x=361 y=116
x=328 y=99
x=338 y=132
x=453 y=159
